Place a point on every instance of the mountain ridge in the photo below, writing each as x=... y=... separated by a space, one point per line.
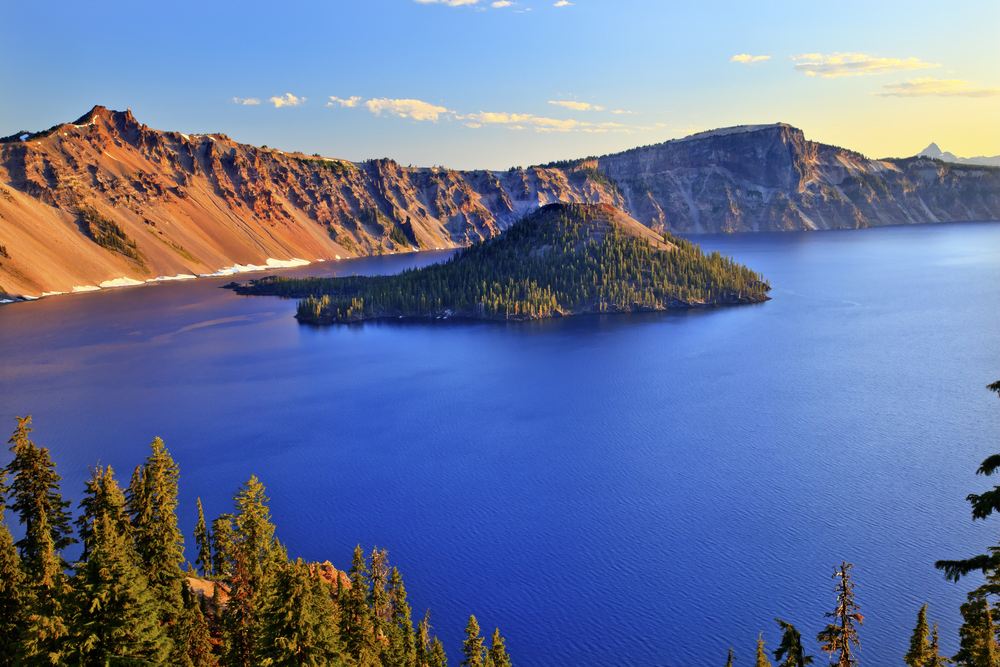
x=197 y=204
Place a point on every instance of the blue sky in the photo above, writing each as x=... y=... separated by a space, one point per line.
x=472 y=85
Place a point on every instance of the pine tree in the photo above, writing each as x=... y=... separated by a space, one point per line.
x=240 y=620
x=472 y=647
x=379 y=601
x=193 y=638
x=103 y=497
x=401 y=640
x=498 y=652
x=731 y=659
x=114 y=615
x=152 y=504
x=841 y=635
x=920 y=646
x=422 y=643
x=935 y=659
x=204 y=542
x=437 y=655
x=298 y=627
x=356 y=627
x=761 y=659
x=38 y=503
x=12 y=596
x=35 y=491
x=791 y=647
x=977 y=635
x=223 y=545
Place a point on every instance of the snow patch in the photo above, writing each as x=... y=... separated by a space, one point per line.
x=86 y=288
x=30 y=298
x=249 y=268
x=6 y=300
x=336 y=256
x=121 y=282
x=52 y=293
x=179 y=276
x=186 y=137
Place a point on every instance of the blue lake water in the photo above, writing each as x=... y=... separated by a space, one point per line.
x=608 y=490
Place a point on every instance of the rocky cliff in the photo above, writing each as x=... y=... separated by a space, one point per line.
x=770 y=178
x=107 y=200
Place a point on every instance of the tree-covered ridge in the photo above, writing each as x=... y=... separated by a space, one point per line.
x=563 y=259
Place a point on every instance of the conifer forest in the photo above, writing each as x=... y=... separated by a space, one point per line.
x=128 y=599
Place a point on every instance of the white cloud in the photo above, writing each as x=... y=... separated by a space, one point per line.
x=748 y=59
x=473 y=125
x=502 y=3
x=414 y=109
x=937 y=88
x=853 y=64
x=563 y=3
x=450 y=3
x=287 y=100
x=246 y=100
x=620 y=111
x=578 y=106
x=349 y=102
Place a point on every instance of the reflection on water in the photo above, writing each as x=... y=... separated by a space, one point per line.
x=634 y=490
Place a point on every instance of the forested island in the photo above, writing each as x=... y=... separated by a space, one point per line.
x=563 y=259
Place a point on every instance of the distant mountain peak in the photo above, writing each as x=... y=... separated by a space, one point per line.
x=931 y=151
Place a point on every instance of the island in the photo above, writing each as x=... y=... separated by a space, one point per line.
x=563 y=259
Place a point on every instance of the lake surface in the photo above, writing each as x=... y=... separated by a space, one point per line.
x=644 y=489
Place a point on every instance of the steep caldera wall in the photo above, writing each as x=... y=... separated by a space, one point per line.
x=770 y=178
x=107 y=198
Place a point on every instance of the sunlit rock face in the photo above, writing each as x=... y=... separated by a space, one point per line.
x=187 y=205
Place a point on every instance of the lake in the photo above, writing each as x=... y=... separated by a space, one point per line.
x=645 y=489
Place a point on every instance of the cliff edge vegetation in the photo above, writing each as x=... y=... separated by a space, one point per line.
x=564 y=259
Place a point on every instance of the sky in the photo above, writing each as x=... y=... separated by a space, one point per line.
x=491 y=84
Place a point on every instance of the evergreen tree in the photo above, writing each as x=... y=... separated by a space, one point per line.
x=977 y=635
x=379 y=601
x=761 y=659
x=401 y=639
x=356 y=626
x=41 y=509
x=152 y=504
x=114 y=615
x=437 y=655
x=935 y=659
x=472 y=647
x=298 y=627
x=791 y=647
x=731 y=659
x=12 y=596
x=920 y=646
x=254 y=531
x=498 y=652
x=422 y=644
x=223 y=545
x=841 y=635
x=38 y=503
x=193 y=638
x=204 y=542
x=103 y=497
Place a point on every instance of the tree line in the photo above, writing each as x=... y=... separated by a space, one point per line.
x=127 y=601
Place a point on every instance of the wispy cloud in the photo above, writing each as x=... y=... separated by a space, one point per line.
x=563 y=3
x=286 y=100
x=854 y=64
x=621 y=111
x=414 y=109
x=246 y=101
x=937 y=88
x=349 y=102
x=523 y=121
x=578 y=106
x=748 y=59
x=499 y=4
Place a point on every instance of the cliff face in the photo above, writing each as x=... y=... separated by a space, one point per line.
x=770 y=178
x=195 y=204
x=107 y=198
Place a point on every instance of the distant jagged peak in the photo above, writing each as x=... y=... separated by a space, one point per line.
x=932 y=151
